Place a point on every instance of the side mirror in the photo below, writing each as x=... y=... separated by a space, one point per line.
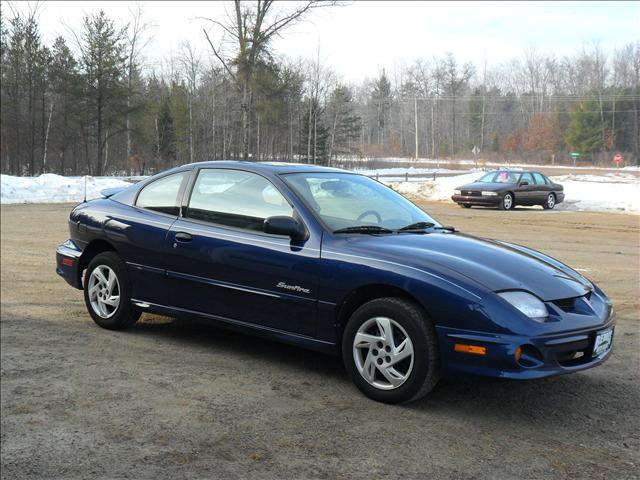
x=524 y=183
x=281 y=225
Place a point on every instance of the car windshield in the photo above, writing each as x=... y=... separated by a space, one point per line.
x=500 y=177
x=347 y=201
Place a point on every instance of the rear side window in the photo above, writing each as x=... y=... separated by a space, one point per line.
x=235 y=198
x=539 y=178
x=162 y=195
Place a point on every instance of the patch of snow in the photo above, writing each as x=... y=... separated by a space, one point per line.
x=51 y=188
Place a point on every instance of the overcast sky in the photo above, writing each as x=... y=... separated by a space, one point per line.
x=360 y=39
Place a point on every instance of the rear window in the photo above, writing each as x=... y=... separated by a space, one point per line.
x=162 y=194
x=539 y=178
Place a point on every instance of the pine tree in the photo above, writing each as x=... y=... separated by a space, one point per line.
x=166 y=134
x=584 y=133
x=103 y=67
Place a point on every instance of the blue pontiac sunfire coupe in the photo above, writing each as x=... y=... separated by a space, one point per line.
x=333 y=261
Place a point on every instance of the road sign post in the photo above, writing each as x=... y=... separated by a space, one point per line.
x=617 y=158
x=475 y=150
x=575 y=156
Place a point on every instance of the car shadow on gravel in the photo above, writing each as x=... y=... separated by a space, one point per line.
x=200 y=332
x=551 y=400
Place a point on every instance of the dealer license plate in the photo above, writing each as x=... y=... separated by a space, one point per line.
x=603 y=342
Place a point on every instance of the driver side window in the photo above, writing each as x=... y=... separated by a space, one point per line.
x=235 y=198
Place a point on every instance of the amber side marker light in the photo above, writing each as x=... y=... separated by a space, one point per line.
x=459 y=347
x=518 y=353
x=68 y=262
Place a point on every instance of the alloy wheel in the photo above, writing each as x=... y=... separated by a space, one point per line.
x=383 y=353
x=508 y=201
x=104 y=291
x=551 y=201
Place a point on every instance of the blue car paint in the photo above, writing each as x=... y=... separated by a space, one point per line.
x=231 y=276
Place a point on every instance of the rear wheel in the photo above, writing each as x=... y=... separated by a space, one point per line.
x=107 y=292
x=550 y=203
x=507 y=202
x=390 y=351
x=465 y=205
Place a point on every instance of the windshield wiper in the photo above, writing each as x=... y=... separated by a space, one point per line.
x=363 y=229
x=448 y=228
x=417 y=226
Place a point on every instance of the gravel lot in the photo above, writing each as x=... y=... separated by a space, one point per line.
x=182 y=399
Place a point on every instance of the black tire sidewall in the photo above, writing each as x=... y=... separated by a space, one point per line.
x=425 y=372
x=125 y=315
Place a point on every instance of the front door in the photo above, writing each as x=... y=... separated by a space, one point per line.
x=221 y=262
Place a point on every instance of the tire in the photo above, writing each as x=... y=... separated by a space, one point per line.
x=550 y=203
x=507 y=202
x=112 y=315
x=417 y=374
x=465 y=205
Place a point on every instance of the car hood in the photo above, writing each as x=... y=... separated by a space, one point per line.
x=487 y=263
x=487 y=186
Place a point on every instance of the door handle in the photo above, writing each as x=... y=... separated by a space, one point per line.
x=183 y=237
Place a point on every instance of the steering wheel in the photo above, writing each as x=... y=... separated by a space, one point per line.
x=367 y=213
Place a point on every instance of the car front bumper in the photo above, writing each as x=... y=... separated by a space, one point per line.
x=542 y=356
x=477 y=200
x=68 y=263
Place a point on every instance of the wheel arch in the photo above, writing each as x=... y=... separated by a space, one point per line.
x=94 y=248
x=363 y=294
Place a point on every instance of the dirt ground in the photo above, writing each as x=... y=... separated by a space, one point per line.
x=183 y=399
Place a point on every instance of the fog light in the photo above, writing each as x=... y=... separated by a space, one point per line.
x=518 y=353
x=476 y=350
x=529 y=356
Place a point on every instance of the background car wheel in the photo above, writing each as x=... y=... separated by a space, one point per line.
x=507 y=202
x=465 y=205
x=550 y=203
x=107 y=292
x=390 y=350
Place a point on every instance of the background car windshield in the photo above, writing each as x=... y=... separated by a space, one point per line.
x=344 y=200
x=500 y=177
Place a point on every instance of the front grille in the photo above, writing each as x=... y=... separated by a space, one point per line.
x=471 y=193
x=566 y=304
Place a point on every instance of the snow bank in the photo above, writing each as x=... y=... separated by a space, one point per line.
x=400 y=171
x=51 y=188
x=611 y=192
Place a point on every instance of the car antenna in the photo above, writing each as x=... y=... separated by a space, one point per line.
x=85 y=190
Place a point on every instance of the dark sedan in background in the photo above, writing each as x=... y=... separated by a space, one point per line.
x=506 y=189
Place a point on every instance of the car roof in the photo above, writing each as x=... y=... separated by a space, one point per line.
x=264 y=167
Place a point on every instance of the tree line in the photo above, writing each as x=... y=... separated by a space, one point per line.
x=88 y=104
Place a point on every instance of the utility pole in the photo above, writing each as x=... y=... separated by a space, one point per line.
x=415 y=119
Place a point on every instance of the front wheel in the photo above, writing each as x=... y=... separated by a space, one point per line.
x=550 y=203
x=390 y=351
x=107 y=292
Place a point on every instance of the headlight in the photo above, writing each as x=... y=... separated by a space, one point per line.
x=531 y=306
x=457 y=192
x=489 y=194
